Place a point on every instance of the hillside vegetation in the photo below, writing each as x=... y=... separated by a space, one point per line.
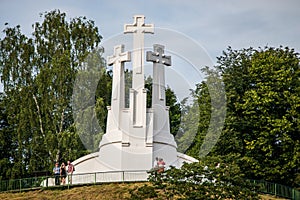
x=105 y=191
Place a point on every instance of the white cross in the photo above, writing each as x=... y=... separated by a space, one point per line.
x=117 y=60
x=158 y=55
x=119 y=55
x=138 y=28
x=159 y=59
x=138 y=96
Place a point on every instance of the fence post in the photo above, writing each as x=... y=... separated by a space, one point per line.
x=20 y=184
x=68 y=179
x=95 y=178
x=275 y=189
x=293 y=193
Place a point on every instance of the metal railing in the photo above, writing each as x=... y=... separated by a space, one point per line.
x=21 y=184
x=75 y=179
x=125 y=176
x=277 y=189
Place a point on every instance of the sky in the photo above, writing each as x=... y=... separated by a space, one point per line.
x=194 y=32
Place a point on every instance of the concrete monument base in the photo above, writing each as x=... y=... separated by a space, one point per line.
x=92 y=163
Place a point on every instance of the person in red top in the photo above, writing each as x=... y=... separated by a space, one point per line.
x=70 y=171
x=161 y=165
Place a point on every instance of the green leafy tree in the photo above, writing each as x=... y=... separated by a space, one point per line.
x=88 y=105
x=6 y=140
x=174 y=111
x=103 y=99
x=196 y=121
x=38 y=74
x=263 y=110
x=210 y=178
x=203 y=119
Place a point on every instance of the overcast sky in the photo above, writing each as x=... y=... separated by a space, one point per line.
x=213 y=25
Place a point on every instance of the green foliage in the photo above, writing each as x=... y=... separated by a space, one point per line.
x=174 y=111
x=263 y=104
x=88 y=105
x=203 y=119
x=103 y=96
x=203 y=180
x=128 y=85
x=196 y=120
x=38 y=75
x=6 y=142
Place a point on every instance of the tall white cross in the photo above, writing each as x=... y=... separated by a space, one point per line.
x=138 y=28
x=159 y=59
x=118 y=87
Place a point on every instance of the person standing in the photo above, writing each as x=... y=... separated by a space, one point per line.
x=70 y=171
x=63 y=173
x=161 y=165
x=155 y=164
x=56 y=171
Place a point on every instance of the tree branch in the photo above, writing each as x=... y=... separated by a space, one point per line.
x=39 y=115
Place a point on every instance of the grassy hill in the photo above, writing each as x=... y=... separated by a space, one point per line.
x=112 y=191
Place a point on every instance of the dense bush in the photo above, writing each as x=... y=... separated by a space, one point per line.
x=210 y=178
